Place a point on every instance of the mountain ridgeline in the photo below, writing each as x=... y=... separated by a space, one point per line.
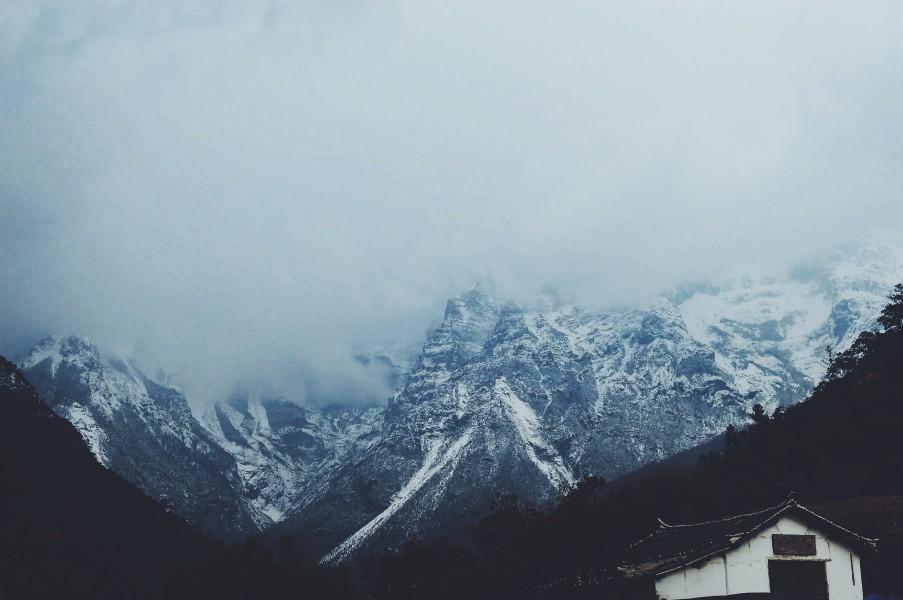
x=524 y=399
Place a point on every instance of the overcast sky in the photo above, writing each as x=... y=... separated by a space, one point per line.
x=252 y=190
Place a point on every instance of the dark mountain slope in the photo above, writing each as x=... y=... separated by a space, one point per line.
x=71 y=528
x=143 y=431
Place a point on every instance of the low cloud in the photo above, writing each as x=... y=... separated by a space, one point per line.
x=255 y=191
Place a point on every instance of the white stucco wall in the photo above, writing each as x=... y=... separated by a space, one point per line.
x=747 y=567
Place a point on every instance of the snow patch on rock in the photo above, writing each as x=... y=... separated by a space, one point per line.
x=440 y=455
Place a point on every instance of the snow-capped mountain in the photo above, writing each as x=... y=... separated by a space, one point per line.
x=143 y=431
x=527 y=399
x=236 y=472
x=502 y=398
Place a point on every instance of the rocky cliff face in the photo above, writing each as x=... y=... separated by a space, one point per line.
x=283 y=452
x=521 y=399
x=513 y=399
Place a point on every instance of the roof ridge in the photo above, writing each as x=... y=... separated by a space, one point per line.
x=786 y=503
x=643 y=539
x=832 y=523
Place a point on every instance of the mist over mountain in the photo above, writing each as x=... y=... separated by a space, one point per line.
x=336 y=299
x=260 y=189
x=526 y=399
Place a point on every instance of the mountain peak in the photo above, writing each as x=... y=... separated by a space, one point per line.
x=58 y=349
x=470 y=318
x=474 y=299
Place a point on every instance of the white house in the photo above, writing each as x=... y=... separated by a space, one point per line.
x=786 y=551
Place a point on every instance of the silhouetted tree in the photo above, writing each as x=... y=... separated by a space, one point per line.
x=730 y=437
x=759 y=416
x=892 y=316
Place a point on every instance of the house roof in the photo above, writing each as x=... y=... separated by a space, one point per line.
x=672 y=547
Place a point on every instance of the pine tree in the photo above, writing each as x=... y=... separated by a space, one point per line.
x=892 y=316
x=730 y=437
x=759 y=416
